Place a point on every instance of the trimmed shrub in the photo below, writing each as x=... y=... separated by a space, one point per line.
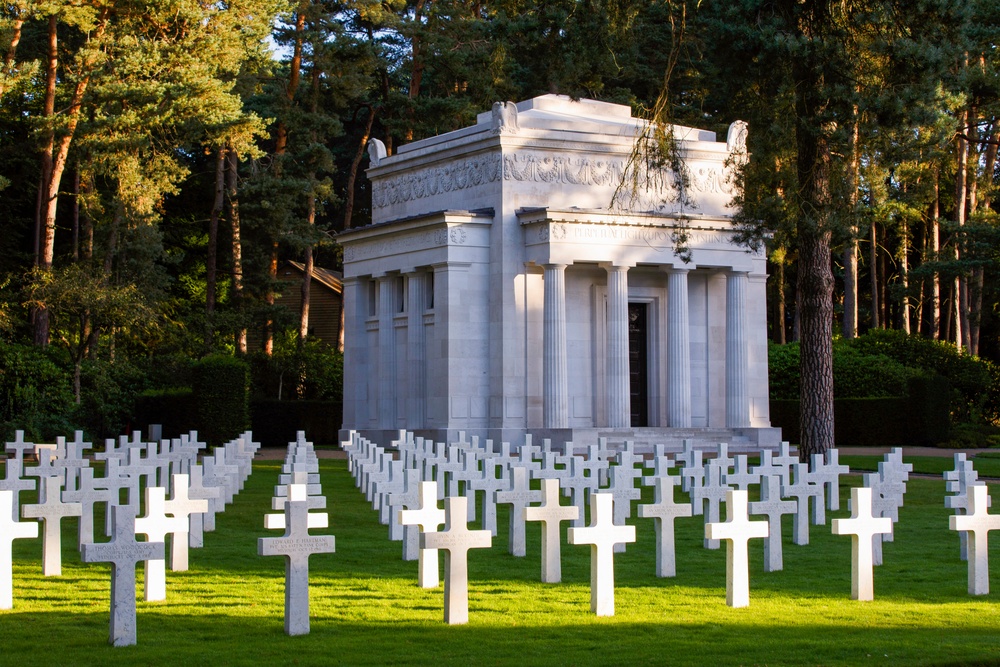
x=108 y=391
x=930 y=409
x=856 y=374
x=36 y=394
x=975 y=382
x=275 y=422
x=174 y=409
x=221 y=390
x=919 y=419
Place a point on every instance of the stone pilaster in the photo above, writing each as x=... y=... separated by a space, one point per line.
x=678 y=350
x=417 y=284
x=618 y=408
x=555 y=386
x=386 y=352
x=737 y=352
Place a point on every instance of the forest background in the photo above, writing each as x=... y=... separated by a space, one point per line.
x=160 y=158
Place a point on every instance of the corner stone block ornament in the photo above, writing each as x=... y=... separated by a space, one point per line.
x=602 y=535
x=737 y=530
x=978 y=522
x=296 y=545
x=863 y=529
x=455 y=540
x=551 y=514
x=123 y=552
x=10 y=530
x=428 y=516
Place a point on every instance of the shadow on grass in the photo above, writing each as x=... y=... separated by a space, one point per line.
x=737 y=637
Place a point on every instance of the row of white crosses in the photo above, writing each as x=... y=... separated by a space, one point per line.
x=298 y=491
x=971 y=501
x=710 y=482
x=67 y=487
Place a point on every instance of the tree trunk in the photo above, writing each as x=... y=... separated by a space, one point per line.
x=873 y=271
x=961 y=195
x=211 y=259
x=307 y=279
x=779 y=324
x=815 y=276
x=417 y=64
x=8 y=62
x=45 y=223
x=352 y=175
x=233 y=210
x=935 y=239
x=904 y=269
x=57 y=151
x=850 y=326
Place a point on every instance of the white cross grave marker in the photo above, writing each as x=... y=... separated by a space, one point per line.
x=519 y=495
x=602 y=534
x=428 y=516
x=296 y=545
x=663 y=510
x=10 y=530
x=183 y=507
x=551 y=513
x=156 y=525
x=455 y=540
x=802 y=491
x=737 y=530
x=123 y=552
x=15 y=481
x=864 y=529
x=978 y=522
x=773 y=507
x=51 y=511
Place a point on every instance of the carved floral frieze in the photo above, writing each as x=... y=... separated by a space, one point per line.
x=527 y=167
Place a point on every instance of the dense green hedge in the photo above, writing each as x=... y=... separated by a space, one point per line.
x=174 y=409
x=36 y=394
x=919 y=419
x=275 y=422
x=221 y=389
x=883 y=363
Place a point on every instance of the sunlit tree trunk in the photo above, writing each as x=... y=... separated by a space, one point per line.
x=237 y=246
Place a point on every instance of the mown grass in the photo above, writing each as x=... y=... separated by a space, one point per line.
x=367 y=609
x=986 y=466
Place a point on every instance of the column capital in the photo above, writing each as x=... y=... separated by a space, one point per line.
x=616 y=265
x=673 y=268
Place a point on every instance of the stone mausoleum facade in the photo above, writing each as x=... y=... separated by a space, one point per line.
x=502 y=287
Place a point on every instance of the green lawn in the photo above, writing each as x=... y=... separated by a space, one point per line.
x=987 y=466
x=366 y=607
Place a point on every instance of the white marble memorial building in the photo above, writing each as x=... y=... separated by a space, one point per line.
x=498 y=289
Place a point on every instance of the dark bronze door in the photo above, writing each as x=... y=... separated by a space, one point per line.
x=638 y=374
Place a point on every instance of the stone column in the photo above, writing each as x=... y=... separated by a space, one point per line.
x=678 y=350
x=354 y=352
x=555 y=385
x=386 y=352
x=619 y=409
x=416 y=283
x=737 y=353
